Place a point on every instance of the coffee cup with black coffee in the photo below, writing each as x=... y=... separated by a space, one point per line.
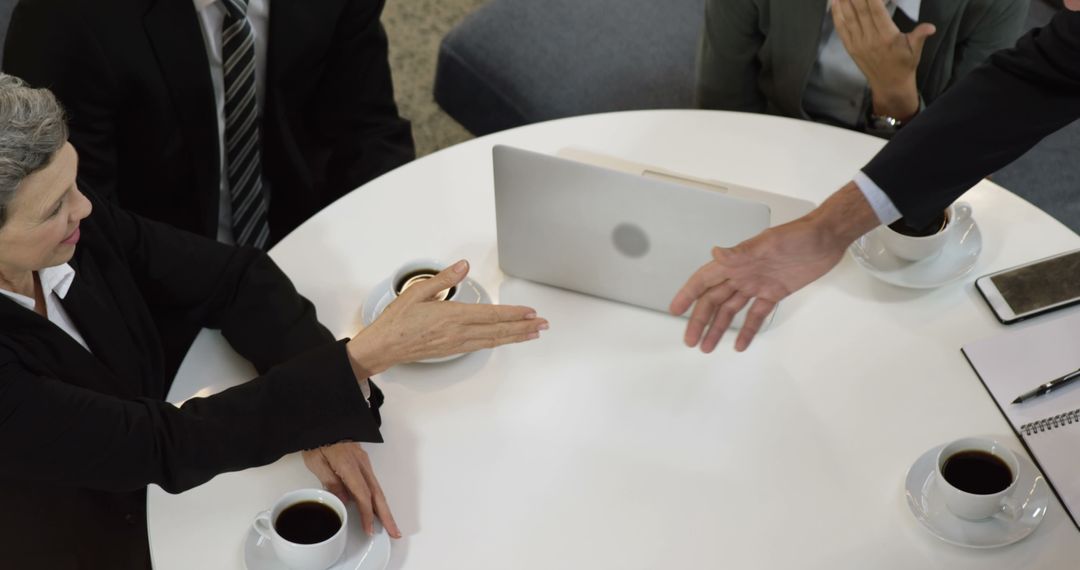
x=307 y=529
x=418 y=271
x=914 y=242
x=976 y=478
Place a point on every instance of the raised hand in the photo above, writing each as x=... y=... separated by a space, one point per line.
x=888 y=57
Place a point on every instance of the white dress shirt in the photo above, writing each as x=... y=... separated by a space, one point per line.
x=55 y=282
x=884 y=208
x=211 y=15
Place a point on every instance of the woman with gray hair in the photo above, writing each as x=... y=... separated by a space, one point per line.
x=83 y=422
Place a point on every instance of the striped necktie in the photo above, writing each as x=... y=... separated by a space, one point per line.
x=242 y=157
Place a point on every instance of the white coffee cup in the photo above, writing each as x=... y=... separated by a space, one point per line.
x=317 y=556
x=914 y=248
x=416 y=271
x=972 y=506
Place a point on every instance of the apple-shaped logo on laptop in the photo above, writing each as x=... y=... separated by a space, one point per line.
x=630 y=240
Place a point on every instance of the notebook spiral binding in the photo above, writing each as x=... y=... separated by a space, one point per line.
x=1051 y=423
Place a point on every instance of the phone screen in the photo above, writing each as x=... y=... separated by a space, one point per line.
x=1040 y=285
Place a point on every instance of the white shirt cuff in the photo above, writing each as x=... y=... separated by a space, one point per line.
x=879 y=201
x=365 y=389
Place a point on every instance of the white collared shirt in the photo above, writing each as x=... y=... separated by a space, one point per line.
x=211 y=16
x=55 y=282
x=880 y=202
x=836 y=89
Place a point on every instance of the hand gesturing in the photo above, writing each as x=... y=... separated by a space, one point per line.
x=416 y=326
x=888 y=57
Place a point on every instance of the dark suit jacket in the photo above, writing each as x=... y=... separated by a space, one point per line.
x=986 y=121
x=757 y=55
x=134 y=77
x=82 y=434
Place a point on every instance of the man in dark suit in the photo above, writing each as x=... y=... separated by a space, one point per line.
x=238 y=140
x=145 y=87
x=986 y=121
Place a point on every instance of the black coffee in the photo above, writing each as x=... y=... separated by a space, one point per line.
x=977 y=472
x=414 y=277
x=308 y=522
x=936 y=225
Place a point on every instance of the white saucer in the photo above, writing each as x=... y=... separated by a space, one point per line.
x=361 y=551
x=929 y=508
x=955 y=260
x=469 y=292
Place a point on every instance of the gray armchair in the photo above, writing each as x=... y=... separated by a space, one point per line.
x=514 y=62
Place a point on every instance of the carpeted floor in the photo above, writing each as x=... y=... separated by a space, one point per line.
x=415 y=28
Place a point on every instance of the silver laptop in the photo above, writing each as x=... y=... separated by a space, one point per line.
x=611 y=234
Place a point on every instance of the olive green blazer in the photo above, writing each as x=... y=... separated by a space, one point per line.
x=757 y=55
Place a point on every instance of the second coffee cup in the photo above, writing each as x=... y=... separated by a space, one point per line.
x=914 y=244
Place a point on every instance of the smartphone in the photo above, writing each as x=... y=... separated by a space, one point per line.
x=1033 y=288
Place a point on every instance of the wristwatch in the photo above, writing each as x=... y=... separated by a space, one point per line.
x=885 y=123
x=886 y=126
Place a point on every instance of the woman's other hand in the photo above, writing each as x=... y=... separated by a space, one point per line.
x=345 y=470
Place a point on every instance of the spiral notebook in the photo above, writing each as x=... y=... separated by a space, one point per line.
x=1014 y=362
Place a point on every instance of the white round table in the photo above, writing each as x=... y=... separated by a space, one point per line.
x=607 y=443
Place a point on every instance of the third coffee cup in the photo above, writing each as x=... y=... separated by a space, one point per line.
x=976 y=477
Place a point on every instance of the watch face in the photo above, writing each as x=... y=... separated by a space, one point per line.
x=887 y=121
x=884 y=123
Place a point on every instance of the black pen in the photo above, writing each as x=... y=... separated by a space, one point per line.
x=1048 y=387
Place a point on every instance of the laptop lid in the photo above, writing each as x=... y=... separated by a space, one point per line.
x=606 y=233
x=783 y=209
